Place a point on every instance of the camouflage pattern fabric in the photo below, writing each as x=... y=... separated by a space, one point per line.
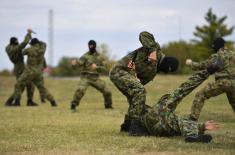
x=33 y=71
x=14 y=53
x=161 y=120
x=90 y=77
x=125 y=79
x=224 y=82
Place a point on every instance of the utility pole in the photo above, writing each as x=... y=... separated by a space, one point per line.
x=51 y=37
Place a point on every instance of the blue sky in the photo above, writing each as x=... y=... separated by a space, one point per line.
x=116 y=23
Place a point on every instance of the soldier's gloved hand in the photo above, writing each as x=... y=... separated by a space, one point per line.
x=214 y=67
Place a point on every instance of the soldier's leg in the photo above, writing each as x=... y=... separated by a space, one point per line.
x=80 y=92
x=30 y=92
x=210 y=90
x=100 y=86
x=169 y=102
x=38 y=81
x=21 y=83
x=133 y=90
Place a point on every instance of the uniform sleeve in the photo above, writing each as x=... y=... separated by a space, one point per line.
x=129 y=57
x=204 y=64
x=26 y=41
x=26 y=51
x=201 y=128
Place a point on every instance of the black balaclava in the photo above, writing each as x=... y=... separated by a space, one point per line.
x=34 y=41
x=14 y=41
x=169 y=64
x=93 y=44
x=218 y=44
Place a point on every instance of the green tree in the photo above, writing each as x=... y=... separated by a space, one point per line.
x=215 y=28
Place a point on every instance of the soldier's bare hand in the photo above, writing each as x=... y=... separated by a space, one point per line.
x=29 y=30
x=131 y=65
x=74 y=62
x=188 y=62
x=211 y=125
x=94 y=66
x=152 y=56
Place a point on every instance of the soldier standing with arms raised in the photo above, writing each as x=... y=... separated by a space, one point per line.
x=14 y=52
x=33 y=71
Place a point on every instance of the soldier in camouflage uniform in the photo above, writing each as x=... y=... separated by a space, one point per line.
x=14 y=52
x=33 y=71
x=90 y=65
x=224 y=79
x=133 y=71
x=161 y=120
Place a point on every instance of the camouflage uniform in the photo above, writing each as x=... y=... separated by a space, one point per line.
x=224 y=81
x=90 y=77
x=125 y=79
x=14 y=53
x=161 y=120
x=33 y=71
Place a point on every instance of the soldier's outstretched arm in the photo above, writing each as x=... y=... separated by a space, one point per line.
x=26 y=40
x=203 y=64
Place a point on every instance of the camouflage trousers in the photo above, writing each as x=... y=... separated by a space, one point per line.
x=218 y=87
x=97 y=83
x=36 y=77
x=161 y=120
x=29 y=86
x=132 y=89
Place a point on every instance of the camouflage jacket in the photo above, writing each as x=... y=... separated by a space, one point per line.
x=144 y=69
x=35 y=53
x=85 y=62
x=14 y=53
x=227 y=56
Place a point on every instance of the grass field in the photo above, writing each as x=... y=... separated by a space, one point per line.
x=95 y=130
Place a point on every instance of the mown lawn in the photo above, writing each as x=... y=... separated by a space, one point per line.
x=95 y=130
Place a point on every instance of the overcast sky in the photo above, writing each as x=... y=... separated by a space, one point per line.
x=114 y=22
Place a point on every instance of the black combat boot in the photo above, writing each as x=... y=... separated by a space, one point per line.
x=9 y=102
x=31 y=103
x=53 y=103
x=73 y=106
x=136 y=129
x=198 y=138
x=17 y=102
x=43 y=100
x=125 y=126
x=108 y=106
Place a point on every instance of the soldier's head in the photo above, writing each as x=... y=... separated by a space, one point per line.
x=92 y=46
x=14 y=41
x=169 y=64
x=147 y=39
x=218 y=43
x=34 y=41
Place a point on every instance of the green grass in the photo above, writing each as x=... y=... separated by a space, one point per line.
x=94 y=130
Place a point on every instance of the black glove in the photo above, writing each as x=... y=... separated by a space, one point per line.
x=214 y=67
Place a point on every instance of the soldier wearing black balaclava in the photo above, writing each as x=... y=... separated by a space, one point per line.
x=14 y=52
x=90 y=65
x=224 y=78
